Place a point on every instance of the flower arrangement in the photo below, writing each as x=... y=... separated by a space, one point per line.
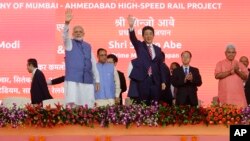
x=49 y=117
x=127 y=115
x=13 y=116
x=223 y=114
x=139 y=115
x=246 y=115
x=181 y=115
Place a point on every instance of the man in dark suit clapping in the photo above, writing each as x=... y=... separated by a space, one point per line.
x=186 y=79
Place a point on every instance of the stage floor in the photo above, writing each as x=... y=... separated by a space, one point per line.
x=117 y=133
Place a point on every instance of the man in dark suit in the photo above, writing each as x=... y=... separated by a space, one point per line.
x=148 y=70
x=133 y=92
x=57 y=80
x=166 y=95
x=244 y=61
x=39 y=89
x=173 y=66
x=186 y=79
x=113 y=59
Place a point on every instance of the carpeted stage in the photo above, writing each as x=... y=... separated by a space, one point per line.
x=117 y=133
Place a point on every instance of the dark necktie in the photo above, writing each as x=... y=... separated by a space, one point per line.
x=186 y=71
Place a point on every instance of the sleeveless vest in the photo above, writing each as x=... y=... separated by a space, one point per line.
x=78 y=63
x=107 y=81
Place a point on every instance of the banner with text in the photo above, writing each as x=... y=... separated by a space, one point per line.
x=33 y=29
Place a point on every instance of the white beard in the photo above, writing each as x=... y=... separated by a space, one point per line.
x=79 y=38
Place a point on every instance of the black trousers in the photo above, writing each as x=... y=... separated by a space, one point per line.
x=247 y=93
x=149 y=90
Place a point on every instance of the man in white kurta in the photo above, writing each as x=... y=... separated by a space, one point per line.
x=82 y=77
x=109 y=81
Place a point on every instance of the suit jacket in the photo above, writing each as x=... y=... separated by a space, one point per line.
x=166 y=95
x=188 y=87
x=133 y=91
x=247 y=89
x=58 y=80
x=144 y=61
x=247 y=84
x=167 y=76
x=39 y=89
x=123 y=85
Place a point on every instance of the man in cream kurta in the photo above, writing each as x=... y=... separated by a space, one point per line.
x=81 y=75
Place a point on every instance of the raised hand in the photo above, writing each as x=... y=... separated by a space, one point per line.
x=68 y=16
x=131 y=21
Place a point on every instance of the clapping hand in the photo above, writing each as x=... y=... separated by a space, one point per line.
x=190 y=76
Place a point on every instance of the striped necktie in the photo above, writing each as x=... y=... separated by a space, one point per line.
x=150 y=54
x=150 y=51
